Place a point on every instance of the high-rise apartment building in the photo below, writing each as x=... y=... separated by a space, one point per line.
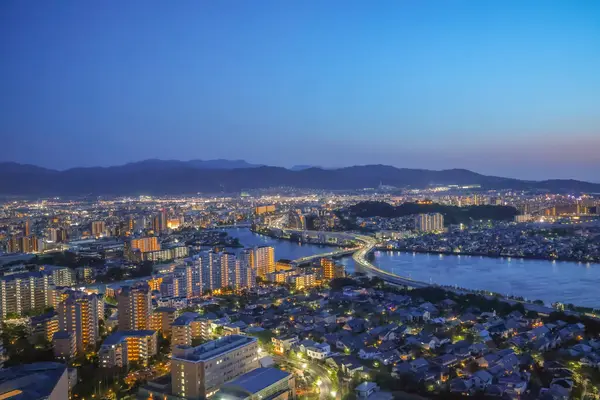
x=199 y=372
x=23 y=244
x=159 y=222
x=331 y=270
x=27 y=228
x=145 y=244
x=24 y=292
x=134 y=304
x=125 y=347
x=429 y=222
x=61 y=276
x=98 y=228
x=79 y=314
x=230 y=272
x=247 y=272
x=136 y=248
x=264 y=260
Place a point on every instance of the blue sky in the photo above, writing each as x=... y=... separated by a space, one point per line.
x=500 y=87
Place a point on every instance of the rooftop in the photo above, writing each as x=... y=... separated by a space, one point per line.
x=30 y=381
x=212 y=349
x=256 y=380
x=118 y=336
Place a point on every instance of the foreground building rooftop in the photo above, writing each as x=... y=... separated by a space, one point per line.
x=212 y=349
x=42 y=380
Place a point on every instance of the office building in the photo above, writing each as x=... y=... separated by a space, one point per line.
x=79 y=314
x=37 y=381
x=429 y=222
x=24 y=292
x=98 y=229
x=125 y=347
x=261 y=383
x=134 y=304
x=264 y=260
x=199 y=372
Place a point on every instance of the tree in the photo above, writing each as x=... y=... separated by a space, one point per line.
x=338 y=284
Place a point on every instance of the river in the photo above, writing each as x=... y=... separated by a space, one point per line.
x=568 y=282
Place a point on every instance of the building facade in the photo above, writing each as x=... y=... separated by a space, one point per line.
x=199 y=372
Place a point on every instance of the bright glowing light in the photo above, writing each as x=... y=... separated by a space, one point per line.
x=333 y=393
x=304 y=366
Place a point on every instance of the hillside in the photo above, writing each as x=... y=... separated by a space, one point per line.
x=158 y=177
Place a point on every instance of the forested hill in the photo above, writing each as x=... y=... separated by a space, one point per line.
x=452 y=214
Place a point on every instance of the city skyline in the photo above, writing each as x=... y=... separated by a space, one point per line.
x=503 y=88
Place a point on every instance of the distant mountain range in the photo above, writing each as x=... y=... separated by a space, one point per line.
x=214 y=176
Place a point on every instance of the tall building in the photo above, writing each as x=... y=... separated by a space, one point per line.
x=199 y=372
x=189 y=326
x=264 y=260
x=162 y=319
x=23 y=244
x=191 y=277
x=125 y=347
x=247 y=271
x=27 y=228
x=136 y=248
x=98 y=228
x=134 y=304
x=159 y=222
x=194 y=275
x=145 y=244
x=52 y=235
x=211 y=271
x=429 y=222
x=230 y=273
x=61 y=276
x=79 y=315
x=331 y=270
x=24 y=292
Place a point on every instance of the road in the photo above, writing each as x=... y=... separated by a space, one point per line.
x=360 y=257
x=318 y=372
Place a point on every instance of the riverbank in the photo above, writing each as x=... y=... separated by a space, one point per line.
x=487 y=255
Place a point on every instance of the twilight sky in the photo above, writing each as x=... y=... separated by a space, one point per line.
x=501 y=87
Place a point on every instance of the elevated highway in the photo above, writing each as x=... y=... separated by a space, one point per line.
x=359 y=254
